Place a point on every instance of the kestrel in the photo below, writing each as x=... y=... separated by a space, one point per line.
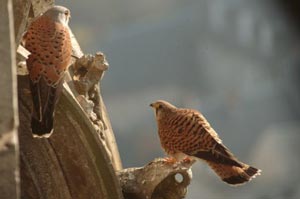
x=48 y=41
x=185 y=134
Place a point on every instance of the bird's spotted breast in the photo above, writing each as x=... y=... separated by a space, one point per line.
x=50 y=46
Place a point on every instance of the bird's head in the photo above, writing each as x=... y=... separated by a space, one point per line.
x=161 y=108
x=59 y=14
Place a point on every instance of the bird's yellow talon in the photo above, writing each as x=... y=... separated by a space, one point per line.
x=169 y=160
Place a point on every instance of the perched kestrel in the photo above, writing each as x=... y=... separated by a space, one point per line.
x=48 y=41
x=185 y=134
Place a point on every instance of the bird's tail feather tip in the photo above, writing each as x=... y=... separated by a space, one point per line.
x=248 y=175
x=42 y=135
x=252 y=172
x=41 y=129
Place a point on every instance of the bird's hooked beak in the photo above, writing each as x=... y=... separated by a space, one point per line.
x=154 y=106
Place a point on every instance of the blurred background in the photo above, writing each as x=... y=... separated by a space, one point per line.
x=236 y=61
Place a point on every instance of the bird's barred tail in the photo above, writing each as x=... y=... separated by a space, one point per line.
x=234 y=175
x=42 y=129
x=45 y=98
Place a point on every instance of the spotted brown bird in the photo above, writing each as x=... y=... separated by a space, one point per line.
x=185 y=134
x=48 y=41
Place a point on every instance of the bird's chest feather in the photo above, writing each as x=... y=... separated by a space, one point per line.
x=170 y=136
x=50 y=47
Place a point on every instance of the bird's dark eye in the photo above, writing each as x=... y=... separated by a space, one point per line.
x=160 y=106
x=66 y=12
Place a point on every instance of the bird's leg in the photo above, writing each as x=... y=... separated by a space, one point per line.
x=187 y=160
x=169 y=160
x=175 y=157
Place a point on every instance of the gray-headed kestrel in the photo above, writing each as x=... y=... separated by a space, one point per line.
x=48 y=41
x=185 y=134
